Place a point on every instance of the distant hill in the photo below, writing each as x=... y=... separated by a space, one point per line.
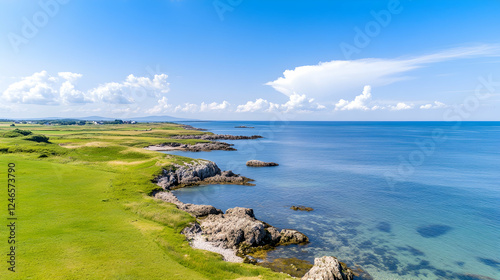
x=98 y=118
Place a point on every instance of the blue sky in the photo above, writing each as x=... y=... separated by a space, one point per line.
x=251 y=60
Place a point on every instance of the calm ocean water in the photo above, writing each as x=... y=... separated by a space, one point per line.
x=401 y=200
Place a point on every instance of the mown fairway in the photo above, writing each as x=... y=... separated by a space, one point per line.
x=84 y=212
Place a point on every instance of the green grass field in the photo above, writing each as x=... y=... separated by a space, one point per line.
x=84 y=211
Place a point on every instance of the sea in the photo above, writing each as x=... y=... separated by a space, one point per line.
x=399 y=200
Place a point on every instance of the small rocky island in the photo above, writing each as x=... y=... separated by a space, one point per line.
x=258 y=163
x=301 y=208
x=217 y=137
x=243 y=126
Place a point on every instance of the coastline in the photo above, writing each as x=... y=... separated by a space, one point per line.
x=200 y=238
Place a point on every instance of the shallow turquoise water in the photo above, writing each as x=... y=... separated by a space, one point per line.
x=401 y=200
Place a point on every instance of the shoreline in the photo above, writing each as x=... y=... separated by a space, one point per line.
x=201 y=236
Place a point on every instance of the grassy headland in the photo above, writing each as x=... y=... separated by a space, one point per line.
x=84 y=210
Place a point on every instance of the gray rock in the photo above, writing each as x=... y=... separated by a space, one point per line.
x=193 y=209
x=258 y=163
x=328 y=268
x=233 y=228
x=240 y=212
x=200 y=171
x=273 y=235
x=168 y=197
x=191 y=231
x=291 y=236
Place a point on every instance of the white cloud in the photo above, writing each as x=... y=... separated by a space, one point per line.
x=436 y=105
x=39 y=88
x=401 y=106
x=331 y=79
x=214 y=106
x=251 y=106
x=187 y=108
x=162 y=106
x=44 y=89
x=365 y=102
x=300 y=103
x=72 y=77
x=296 y=103
x=131 y=89
x=359 y=102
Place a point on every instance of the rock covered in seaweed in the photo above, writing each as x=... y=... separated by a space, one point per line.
x=328 y=268
x=301 y=208
x=291 y=236
x=258 y=163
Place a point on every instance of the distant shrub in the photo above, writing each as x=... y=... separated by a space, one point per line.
x=38 y=138
x=12 y=124
x=16 y=133
x=23 y=132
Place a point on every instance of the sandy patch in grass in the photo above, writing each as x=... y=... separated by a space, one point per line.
x=89 y=144
x=119 y=162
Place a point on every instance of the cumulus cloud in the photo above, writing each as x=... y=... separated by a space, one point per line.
x=296 y=103
x=331 y=79
x=43 y=89
x=133 y=87
x=252 y=106
x=401 y=106
x=214 y=106
x=186 y=108
x=435 y=105
x=358 y=103
x=162 y=106
x=39 y=88
x=365 y=102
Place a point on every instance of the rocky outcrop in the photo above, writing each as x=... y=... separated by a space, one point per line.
x=238 y=226
x=193 y=209
x=189 y=127
x=198 y=147
x=291 y=236
x=301 y=208
x=217 y=137
x=328 y=268
x=258 y=163
x=243 y=126
x=195 y=173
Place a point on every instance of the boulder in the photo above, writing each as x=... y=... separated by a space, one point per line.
x=258 y=163
x=235 y=227
x=273 y=235
x=328 y=268
x=240 y=212
x=291 y=236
